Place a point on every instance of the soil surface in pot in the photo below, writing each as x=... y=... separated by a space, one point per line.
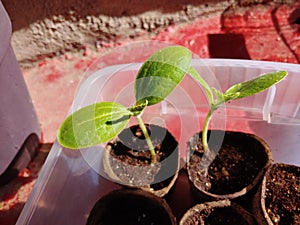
x=237 y=162
x=131 y=149
x=282 y=196
x=131 y=207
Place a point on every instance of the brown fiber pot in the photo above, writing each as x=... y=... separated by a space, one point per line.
x=278 y=198
x=219 y=212
x=236 y=165
x=131 y=207
x=128 y=161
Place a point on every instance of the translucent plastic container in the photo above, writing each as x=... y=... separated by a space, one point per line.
x=72 y=181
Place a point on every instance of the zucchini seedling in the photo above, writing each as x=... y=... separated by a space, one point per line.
x=155 y=80
x=240 y=90
x=102 y=121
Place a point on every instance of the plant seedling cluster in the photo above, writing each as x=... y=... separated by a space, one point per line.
x=155 y=80
x=240 y=90
x=100 y=122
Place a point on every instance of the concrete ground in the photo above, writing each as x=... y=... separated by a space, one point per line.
x=261 y=32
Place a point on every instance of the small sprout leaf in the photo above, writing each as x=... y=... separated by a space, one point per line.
x=254 y=86
x=231 y=96
x=138 y=109
x=161 y=73
x=92 y=125
x=237 y=91
x=218 y=94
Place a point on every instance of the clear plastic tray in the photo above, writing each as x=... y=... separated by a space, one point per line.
x=72 y=181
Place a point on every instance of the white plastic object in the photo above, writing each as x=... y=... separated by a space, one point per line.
x=71 y=181
x=19 y=127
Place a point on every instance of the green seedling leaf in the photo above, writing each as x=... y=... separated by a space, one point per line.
x=219 y=99
x=237 y=91
x=218 y=94
x=160 y=74
x=92 y=125
x=254 y=86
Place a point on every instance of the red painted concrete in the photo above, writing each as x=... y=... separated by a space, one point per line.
x=259 y=32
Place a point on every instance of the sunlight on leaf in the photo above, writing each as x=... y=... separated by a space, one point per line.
x=92 y=125
x=161 y=73
x=254 y=86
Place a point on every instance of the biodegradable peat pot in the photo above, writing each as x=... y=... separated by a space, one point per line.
x=222 y=212
x=278 y=198
x=131 y=207
x=128 y=160
x=238 y=164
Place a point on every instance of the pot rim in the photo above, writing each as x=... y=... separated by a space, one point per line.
x=217 y=204
x=255 y=181
x=139 y=193
x=262 y=191
x=160 y=192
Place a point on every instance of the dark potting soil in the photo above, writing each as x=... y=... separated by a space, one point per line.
x=283 y=195
x=237 y=162
x=131 y=149
x=225 y=216
x=217 y=216
x=130 y=208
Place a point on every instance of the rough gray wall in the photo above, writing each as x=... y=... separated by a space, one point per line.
x=49 y=27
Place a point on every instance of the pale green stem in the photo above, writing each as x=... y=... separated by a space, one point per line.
x=147 y=137
x=205 y=130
